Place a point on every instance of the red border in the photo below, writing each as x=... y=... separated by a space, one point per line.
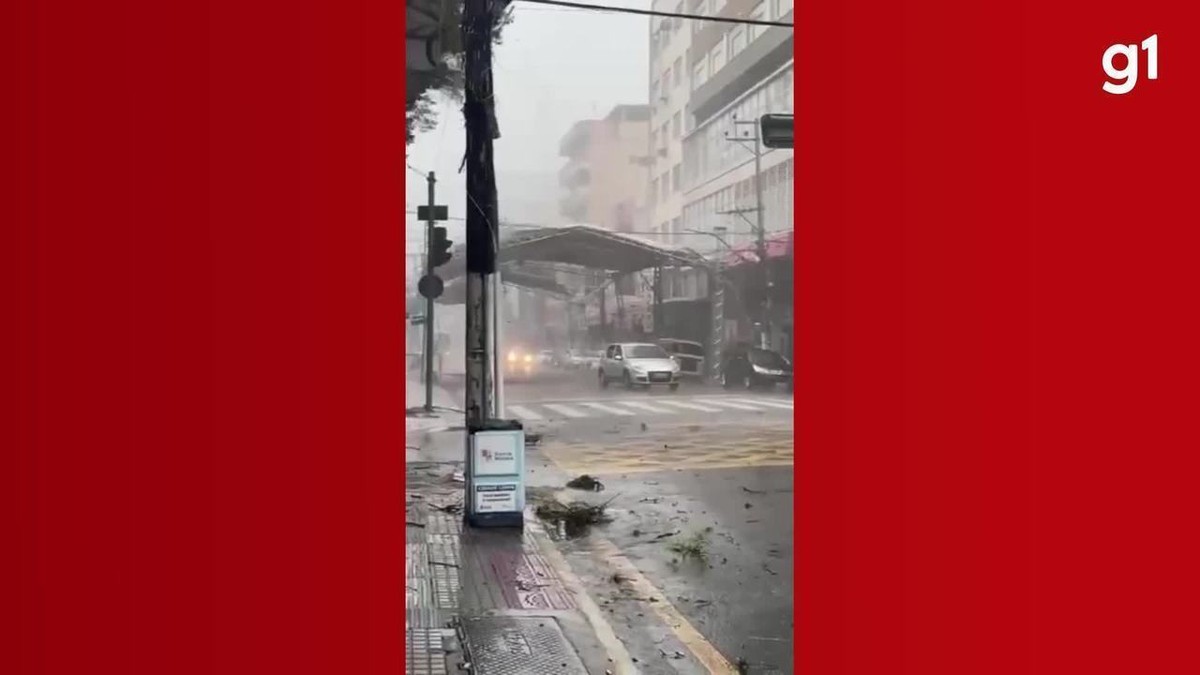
x=997 y=348
x=202 y=290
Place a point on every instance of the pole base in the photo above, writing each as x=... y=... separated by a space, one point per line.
x=495 y=520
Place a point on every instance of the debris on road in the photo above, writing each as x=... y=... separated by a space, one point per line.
x=694 y=547
x=586 y=482
x=575 y=518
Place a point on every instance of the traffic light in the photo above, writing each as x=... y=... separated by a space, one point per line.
x=439 y=247
x=776 y=131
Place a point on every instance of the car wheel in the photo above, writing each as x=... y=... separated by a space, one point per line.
x=747 y=382
x=603 y=380
x=627 y=379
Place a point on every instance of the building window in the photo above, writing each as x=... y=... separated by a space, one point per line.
x=677 y=120
x=759 y=13
x=675 y=177
x=698 y=75
x=716 y=59
x=666 y=84
x=737 y=41
x=653 y=190
x=665 y=182
x=677 y=71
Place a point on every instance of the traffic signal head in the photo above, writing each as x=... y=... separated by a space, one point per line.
x=776 y=131
x=439 y=247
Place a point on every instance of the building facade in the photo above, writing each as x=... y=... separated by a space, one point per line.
x=603 y=179
x=670 y=89
x=733 y=74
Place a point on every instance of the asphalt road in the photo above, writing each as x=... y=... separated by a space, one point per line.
x=698 y=555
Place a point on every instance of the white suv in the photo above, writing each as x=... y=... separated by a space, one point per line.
x=638 y=364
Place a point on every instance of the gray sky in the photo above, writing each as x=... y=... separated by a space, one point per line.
x=555 y=67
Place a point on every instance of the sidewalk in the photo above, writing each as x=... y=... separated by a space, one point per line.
x=444 y=416
x=494 y=601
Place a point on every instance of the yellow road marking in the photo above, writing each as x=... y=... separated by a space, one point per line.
x=704 y=651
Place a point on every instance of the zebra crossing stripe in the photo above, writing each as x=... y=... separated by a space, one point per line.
x=733 y=404
x=608 y=409
x=641 y=405
x=523 y=412
x=692 y=406
x=564 y=410
x=763 y=401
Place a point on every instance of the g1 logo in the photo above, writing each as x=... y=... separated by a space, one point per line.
x=1125 y=79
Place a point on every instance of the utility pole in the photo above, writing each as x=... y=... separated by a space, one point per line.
x=482 y=237
x=760 y=232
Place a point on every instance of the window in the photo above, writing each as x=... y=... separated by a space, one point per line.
x=679 y=9
x=677 y=71
x=666 y=83
x=654 y=89
x=675 y=177
x=653 y=190
x=667 y=130
x=737 y=41
x=677 y=120
x=757 y=14
x=716 y=59
x=665 y=182
x=698 y=75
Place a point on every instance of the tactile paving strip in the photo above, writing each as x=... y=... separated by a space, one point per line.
x=425 y=652
x=519 y=646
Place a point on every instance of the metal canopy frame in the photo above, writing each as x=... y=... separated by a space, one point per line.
x=587 y=246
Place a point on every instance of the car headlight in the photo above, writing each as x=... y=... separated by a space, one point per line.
x=512 y=356
x=528 y=358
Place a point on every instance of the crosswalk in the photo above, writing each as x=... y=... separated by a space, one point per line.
x=619 y=407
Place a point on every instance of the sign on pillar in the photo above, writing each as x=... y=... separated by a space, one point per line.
x=496 y=475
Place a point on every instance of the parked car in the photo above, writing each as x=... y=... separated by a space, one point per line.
x=636 y=364
x=687 y=353
x=751 y=367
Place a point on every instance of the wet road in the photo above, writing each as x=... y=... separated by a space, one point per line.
x=696 y=567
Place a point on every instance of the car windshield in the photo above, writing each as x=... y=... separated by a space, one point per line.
x=767 y=359
x=645 y=352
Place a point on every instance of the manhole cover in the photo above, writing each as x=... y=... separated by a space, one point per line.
x=504 y=645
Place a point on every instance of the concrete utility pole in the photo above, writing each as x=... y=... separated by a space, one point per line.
x=482 y=235
x=760 y=231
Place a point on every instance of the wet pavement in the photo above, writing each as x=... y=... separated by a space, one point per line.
x=717 y=545
x=694 y=572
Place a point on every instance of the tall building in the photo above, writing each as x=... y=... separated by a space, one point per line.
x=603 y=180
x=739 y=73
x=710 y=82
x=670 y=90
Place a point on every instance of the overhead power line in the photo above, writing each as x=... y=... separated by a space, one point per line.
x=651 y=12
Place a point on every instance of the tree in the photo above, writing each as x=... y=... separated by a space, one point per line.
x=422 y=88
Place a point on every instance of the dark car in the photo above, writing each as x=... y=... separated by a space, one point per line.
x=751 y=367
